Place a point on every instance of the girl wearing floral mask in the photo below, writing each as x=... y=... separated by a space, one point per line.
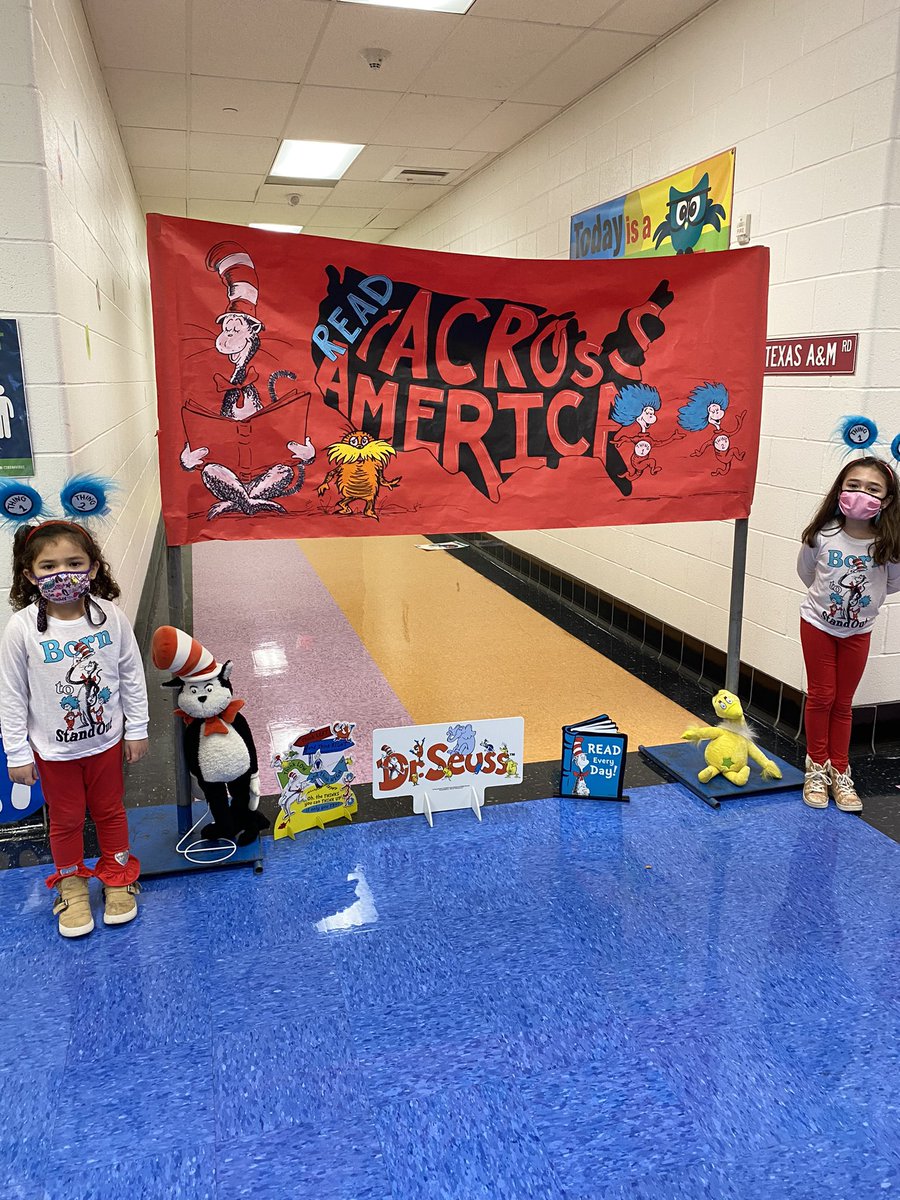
x=849 y=560
x=71 y=684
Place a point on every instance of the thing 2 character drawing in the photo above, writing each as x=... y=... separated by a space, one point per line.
x=687 y=214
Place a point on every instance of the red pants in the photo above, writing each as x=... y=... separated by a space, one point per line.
x=97 y=783
x=834 y=667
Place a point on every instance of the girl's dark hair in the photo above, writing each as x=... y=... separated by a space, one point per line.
x=27 y=546
x=885 y=545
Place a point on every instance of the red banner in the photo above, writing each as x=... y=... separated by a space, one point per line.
x=310 y=387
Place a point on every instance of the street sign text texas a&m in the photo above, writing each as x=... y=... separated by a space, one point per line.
x=833 y=354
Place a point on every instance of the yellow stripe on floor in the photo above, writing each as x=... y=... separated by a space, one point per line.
x=454 y=646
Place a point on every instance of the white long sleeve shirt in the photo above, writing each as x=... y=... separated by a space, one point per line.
x=67 y=693
x=846 y=588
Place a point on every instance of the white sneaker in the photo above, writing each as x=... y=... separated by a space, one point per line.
x=815 y=783
x=844 y=791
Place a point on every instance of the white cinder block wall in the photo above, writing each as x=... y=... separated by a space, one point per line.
x=73 y=270
x=807 y=92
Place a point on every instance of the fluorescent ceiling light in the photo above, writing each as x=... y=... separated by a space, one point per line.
x=313 y=160
x=450 y=6
x=278 y=228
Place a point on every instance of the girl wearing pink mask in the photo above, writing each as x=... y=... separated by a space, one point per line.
x=71 y=684
x=849 y=560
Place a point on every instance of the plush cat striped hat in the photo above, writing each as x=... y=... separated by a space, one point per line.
x=176 y=651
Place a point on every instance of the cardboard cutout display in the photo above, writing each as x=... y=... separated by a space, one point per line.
x=310 y=387
x=315 y=777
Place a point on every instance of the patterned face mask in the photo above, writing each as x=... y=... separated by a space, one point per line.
x=64 y=586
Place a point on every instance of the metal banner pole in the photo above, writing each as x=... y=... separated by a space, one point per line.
x=175 y=585
x=736 y=608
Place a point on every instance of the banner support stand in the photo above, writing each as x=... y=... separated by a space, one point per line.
x=736 y=605
x=177 y=613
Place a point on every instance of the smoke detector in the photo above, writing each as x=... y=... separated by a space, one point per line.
x=375 y=58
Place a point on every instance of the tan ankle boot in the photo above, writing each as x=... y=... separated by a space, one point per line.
x=844 y=791
x=73 y=907
x=120 y=905
x=815 y=783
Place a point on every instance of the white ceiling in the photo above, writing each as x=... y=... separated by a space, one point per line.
x=455 y=92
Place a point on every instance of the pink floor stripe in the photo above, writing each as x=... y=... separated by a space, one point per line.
x=297 y=660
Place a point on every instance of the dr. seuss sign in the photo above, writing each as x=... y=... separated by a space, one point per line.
x=311 y=387
x=445 y=767
x=683 y=214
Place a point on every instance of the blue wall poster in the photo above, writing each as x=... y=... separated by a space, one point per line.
x=15 y=437
x=593 y=760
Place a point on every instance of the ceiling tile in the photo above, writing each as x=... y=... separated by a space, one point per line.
x=469 y=63
x=271 y=40
x=350 y=192
x=453 y=160
x=343 y=218
x=434 y=121
x=333 y=114
x=343 y=234
x=222 y=185
x=149 y=99
x=507 y=125
x=221 y=151
x=155 y=147
x=154 y=181
x=372 y=235
x=582 y=13
x=651 y=16
x=283 y=214
x=393 y=218
x=411 y=37
x=262 y=107
x=374 y=162
x=593 y=58
x=229 y=211
x=169 y=206
x=141 y=36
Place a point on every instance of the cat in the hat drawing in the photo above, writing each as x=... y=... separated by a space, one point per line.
x=238 y=429
x=580 y=762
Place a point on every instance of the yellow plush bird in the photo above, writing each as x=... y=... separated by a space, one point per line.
x=730 y=744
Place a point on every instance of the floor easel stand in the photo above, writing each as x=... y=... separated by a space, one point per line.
x=736 y=604
x=178 y=614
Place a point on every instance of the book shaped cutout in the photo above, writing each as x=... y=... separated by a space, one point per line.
x=593 y=759
x=315 y=777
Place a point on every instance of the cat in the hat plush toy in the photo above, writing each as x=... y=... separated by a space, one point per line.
x=218 y=745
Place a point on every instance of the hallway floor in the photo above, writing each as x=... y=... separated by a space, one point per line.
x=572 y=1001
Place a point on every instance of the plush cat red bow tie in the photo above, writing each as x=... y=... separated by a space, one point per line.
x=217 y=724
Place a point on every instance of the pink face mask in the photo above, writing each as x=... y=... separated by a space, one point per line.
x=64 y=586
x=860 y=506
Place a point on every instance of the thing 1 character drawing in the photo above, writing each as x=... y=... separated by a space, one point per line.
x=635 y=409
x=358 y=472
x=687 y=214
x=252 y=471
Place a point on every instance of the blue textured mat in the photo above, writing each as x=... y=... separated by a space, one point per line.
x=154 y=835
x=682 y=761
x=566 y=1002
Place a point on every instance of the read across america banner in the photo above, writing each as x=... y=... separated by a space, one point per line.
x=311 y=387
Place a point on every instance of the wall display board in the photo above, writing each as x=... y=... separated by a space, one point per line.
x=685 y=213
